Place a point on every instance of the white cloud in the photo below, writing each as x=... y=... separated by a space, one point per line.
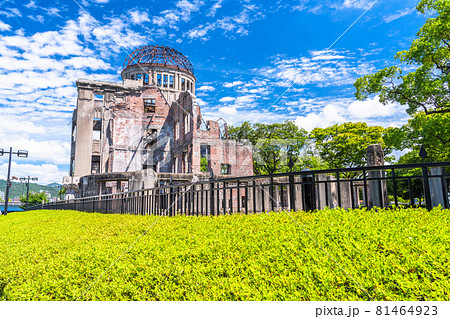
x=216 y=6
x=101 y=1
x=4 y=26
x=231 y=84
x=37 y=18
x=357 y=4
x=11 y=12
x=233 y=25
x=182 y=12
x=370 y=111
x=323 y=68
x=330 y=115
x=227 y=99
x=228 y=110
x=399 y=14
x=47 y=173
x=370 y=108
x=138 y=17
x=206 y=88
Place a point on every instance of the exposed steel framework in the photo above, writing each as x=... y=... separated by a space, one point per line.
x=158 y=55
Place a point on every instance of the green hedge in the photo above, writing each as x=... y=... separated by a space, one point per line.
x=400 y=254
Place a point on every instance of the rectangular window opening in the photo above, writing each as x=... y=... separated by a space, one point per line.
x=165 y=81
x=225 y=169
x=95 y=164
x=183 y=85
x=176 y=132
x=204 y=158
x=97 y=128
x=138 y=76
x=146 y=79
x=175 y=164
x=159 y=79
x=187 y=123
x=149 y=105
x=171 y=82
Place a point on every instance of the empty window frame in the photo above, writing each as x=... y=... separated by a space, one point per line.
x=183 y=84
x=204 y=158
x=98 y=97
x=133 y=77
x=95 y=164
x=185 y=162
x=225 y=169
x=165 y=80
x=146 y=79
x=176 y=130
x=187 y=123
x=138 y=76
x=171 y=85
x=149 y=105
x=175 y=164
x=97 y=128
x=159 y=79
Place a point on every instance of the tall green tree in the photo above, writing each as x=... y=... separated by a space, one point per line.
x=345 y=145
x=432 y=131
x=34 y=199
x=426 y=87
x=274 y=145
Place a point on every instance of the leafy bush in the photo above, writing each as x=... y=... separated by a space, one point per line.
x=400 y=254
x=34 y=199
x=203 y=164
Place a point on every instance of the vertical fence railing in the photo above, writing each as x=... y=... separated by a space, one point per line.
x=424 y=184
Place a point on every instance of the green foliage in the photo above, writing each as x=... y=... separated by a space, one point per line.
x=400 y=254
x=432 y=131
x=345 y=145
x=62 y=192
x=273 y=146
x=203 y=164
x=35 y=199
x=426 y=88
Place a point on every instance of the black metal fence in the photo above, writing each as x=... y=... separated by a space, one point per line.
x=424 y=184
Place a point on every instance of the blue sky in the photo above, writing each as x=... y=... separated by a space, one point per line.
x=245 y=55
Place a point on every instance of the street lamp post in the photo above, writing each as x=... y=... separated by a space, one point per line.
x=27 y=179
x=19 y=153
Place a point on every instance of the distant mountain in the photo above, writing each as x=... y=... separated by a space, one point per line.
x=56 y=185
x=17 y=188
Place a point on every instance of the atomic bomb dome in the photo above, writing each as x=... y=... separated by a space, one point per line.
x=147 y=130
x=168 y=68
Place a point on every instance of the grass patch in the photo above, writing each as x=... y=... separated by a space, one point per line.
x=401 y=254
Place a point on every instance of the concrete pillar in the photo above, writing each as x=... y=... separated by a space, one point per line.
x=332 y=192
x=321 y=188
x=438 y=185
x=346 y=195
x=377 y=191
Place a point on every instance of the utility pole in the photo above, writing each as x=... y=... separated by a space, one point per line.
x=27 y=179
x=19 y=154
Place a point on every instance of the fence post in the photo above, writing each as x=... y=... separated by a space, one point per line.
x=292 y=192
x=211 y=198
x=426 y=186
x=308 y=191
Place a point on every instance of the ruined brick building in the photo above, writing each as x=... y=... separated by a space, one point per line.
x=147 y=129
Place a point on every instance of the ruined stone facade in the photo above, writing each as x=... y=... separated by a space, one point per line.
x=150 y=121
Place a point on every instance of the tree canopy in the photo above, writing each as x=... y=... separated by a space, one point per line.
x=432 y=131
x=426 y=88
x=34 y=199
x=274 y=145
x=345 y=145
